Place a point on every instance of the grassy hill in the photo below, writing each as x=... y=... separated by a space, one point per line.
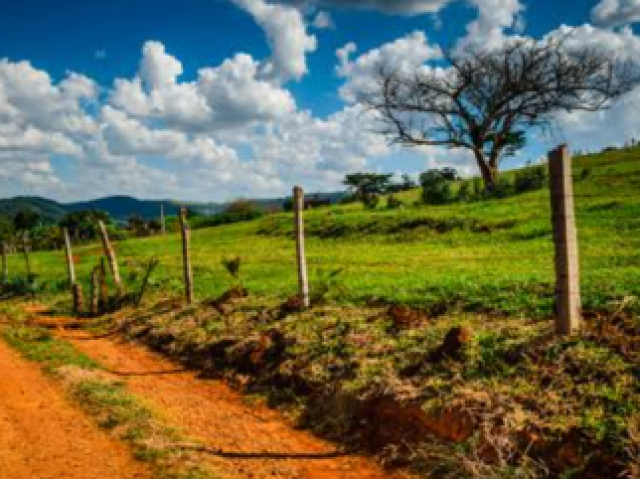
x=432 y=345
x=493 y=255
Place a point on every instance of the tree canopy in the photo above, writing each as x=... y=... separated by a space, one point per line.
x=487 y=101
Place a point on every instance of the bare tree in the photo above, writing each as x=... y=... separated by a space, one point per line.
x=488 y=101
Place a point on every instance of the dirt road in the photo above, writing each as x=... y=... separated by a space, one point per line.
x=257 y=442
x=42 y=436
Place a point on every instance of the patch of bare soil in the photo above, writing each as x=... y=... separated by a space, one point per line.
x=244 y=441
x=43 y=437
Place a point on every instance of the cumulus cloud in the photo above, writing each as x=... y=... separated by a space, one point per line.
x=158 y=69
x=406 y=7
x=613 y=13
x=154 y=135
x=404 y=55
x=287 y=36
x=322 y=20
x=488 y=30
x=227 y=96
x=619 y=123
x=234 y=128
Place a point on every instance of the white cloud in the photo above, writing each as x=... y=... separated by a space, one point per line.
x=615 y=125
x=405 y=7
x=158 y=70
x=323 y=20
x=235 y=129
x=237 y=96
x=405 y=55
x=227 y=96
x=27 y=96
x=287 y=35
x=494 y=17
x=613 y=13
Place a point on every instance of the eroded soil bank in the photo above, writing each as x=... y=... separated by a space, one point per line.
x=245 y=440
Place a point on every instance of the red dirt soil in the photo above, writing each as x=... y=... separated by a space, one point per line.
x=215 y=415
x=42 y=436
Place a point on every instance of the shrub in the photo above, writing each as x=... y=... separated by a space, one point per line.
x=585 y=173
x=464 y=193
x=503 y=189
x=530 y=179
x=371 y=201
x=436 y=187
x=394 y=203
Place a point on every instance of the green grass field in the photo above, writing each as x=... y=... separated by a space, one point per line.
x=567 y=404
x=485 y=256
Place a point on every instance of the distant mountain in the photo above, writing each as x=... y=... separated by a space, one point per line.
x=48 y=209
x=122 y=207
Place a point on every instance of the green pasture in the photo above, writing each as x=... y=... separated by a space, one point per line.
x=492 y=256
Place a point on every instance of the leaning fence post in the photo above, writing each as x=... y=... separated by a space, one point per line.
x=5 y=264
x=69 y=257
x=568 y=302
x=303 y=278
x=111 y=258
x=76 y=290
x=186 y=255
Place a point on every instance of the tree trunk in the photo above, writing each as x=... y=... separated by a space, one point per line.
x=488 y=171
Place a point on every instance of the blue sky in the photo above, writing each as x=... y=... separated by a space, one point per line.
x=75 y=53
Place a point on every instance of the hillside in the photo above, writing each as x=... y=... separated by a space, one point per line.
x=494 y=254
x=122 y=207
x=48 y=209
x=430 y=340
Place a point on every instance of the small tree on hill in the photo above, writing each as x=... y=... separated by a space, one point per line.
x=436 y=187
x=82 y=224
x=486 y=102
x=367 y=187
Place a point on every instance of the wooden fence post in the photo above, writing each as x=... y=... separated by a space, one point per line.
x=69 y=257
x=111 y=258
x=5 y=265
x=303 y=278
x=568 y=302
x=186 y=255
x=76 y=289
x=95 y=290
x=103 y=300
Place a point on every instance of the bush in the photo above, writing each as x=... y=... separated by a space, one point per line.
x=464 y=193
x=371 y=201
x=503 y=189
x=394 y=203
x=225 y=219
x=530 y=179
x=585 y=173
x=436 y=187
